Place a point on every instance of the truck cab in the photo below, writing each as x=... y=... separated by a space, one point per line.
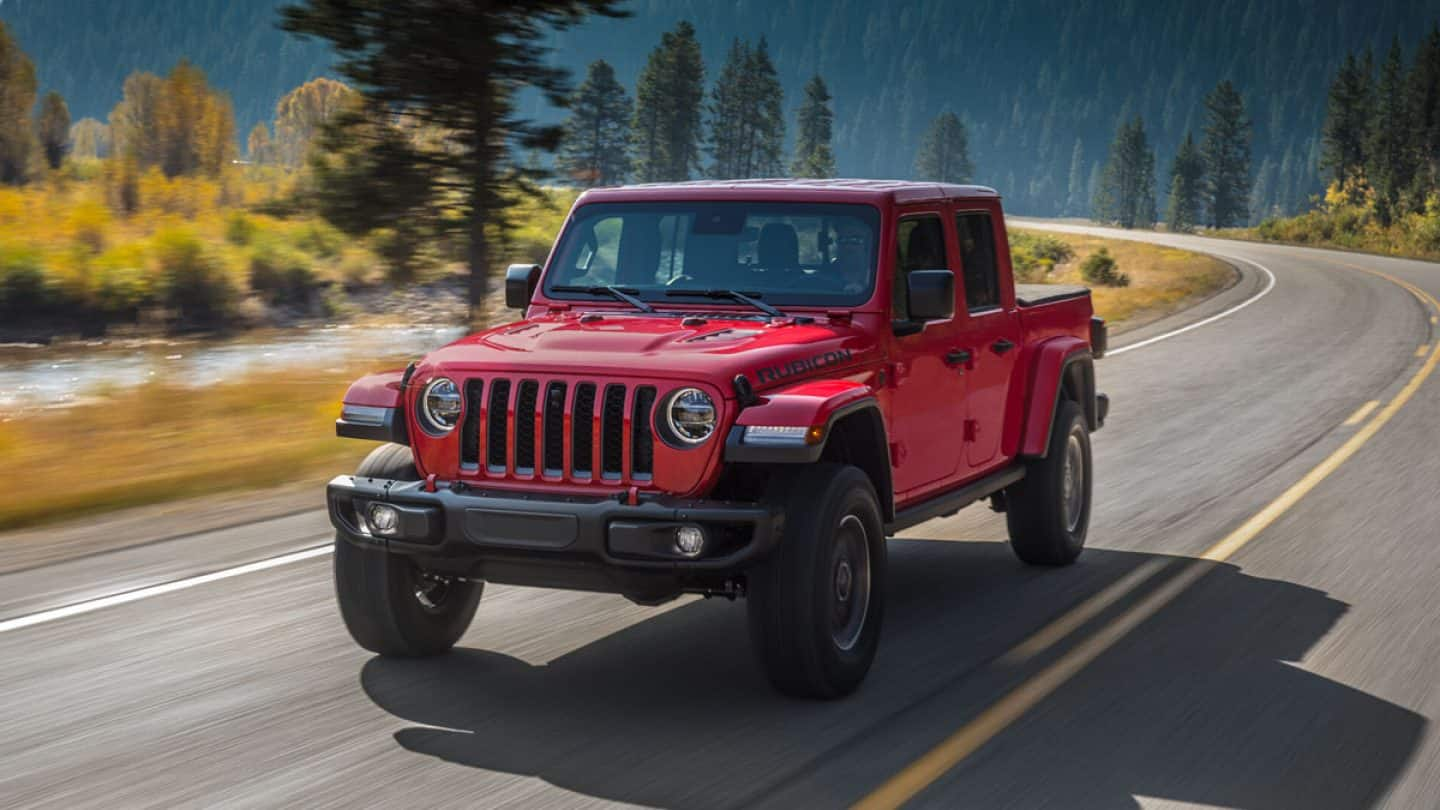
x=732 y=389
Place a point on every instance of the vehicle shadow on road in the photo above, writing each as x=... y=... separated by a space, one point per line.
x=1201 y=704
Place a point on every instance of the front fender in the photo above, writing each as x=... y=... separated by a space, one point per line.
x=814 y=405
x=1051 y=362
x=372 y=408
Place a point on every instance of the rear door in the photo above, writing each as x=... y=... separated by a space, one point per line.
x=989 y=331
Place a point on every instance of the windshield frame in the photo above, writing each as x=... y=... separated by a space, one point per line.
x=870 y=214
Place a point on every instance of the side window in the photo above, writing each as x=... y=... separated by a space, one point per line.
x=919 y=245
x=977 y=253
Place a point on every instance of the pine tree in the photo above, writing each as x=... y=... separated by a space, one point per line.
x=814 y=125
x=17 y=97
x=727 y=113
x=1347 y=121
x=1425 y=110
x=767 y=103
x=669 y=95
x=1187 y=186
x=1227 y=157
x=1126 y=196
x=597 y=133
x=1389 y=164
x=747 y=130
x=459 y=68
x=52 y=129
x=1075 y=194
x=944 y=155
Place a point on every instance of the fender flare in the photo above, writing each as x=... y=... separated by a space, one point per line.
x=1057 y=360
x=810 y=404
x=373 y=408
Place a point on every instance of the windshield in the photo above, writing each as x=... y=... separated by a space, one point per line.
x=800 y=254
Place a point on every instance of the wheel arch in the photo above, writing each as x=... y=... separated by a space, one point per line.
x=1064 y=369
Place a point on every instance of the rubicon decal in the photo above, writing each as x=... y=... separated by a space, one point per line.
x=806 y=365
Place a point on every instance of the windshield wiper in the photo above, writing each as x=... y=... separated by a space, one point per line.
x=625 y=294
x=733 y=295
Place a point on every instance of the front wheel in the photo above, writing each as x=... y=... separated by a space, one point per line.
x=1048 y=511
x=391 y=605
x=816 y=605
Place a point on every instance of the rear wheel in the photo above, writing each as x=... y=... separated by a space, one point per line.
x=815 y=606
x=1048 y=511
x=391 y=605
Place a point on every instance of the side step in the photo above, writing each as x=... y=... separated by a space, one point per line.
x=952 y=501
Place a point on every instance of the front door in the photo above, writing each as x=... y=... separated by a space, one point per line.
x=990 y=332
x=928 y=397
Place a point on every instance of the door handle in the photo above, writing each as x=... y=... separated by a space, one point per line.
x=957 y=357
x=1002 y=345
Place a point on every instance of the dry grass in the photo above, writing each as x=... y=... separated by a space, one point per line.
x=1162 y=280
x=158 y=443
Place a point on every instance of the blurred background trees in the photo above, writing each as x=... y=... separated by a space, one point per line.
x=945 y=152
x=17 y=97
x=665 y=132
x=596 y=151
x=814 y=131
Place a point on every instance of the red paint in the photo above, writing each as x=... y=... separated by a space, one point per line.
x=945 y=422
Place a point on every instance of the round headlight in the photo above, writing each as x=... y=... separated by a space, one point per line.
x=440 y=405
x=691 y=415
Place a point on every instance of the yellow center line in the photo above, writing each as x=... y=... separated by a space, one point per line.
x=1420 y=352
x=1362 y=412
x=921 y=773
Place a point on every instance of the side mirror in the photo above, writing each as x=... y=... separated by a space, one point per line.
x=520 y=282
x=931 y=294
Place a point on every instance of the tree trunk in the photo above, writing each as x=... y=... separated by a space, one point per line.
x=479 y=261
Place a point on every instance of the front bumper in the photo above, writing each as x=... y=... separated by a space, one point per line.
x=598 y=544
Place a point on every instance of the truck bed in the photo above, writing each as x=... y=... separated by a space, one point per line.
x=1034 y=295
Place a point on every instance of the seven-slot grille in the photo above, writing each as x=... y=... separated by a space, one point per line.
x=580 y=432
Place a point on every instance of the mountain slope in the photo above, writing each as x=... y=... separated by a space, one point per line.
x=1031 y=78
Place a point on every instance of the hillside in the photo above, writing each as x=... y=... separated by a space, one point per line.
x=1032 y=78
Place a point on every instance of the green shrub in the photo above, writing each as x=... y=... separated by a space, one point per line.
x=281 y=275
x=193 y=282
x=240 y=229
x=1100 y=268
x=122 y=285
x=319 y=238
x=24 y=290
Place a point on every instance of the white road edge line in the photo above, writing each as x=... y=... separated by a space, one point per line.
x=297 y=556
x=156 y=590
x=1269 y=285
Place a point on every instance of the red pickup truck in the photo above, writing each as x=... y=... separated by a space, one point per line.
x=732 y=389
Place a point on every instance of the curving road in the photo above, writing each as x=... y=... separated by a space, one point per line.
x=1256 y=624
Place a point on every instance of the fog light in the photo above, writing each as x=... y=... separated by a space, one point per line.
x=384 y=520
x=690 y=540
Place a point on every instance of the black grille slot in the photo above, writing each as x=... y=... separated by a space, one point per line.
x=555 y=428
x=470 y=430
x=582 y=425
x=642 y=442
x=612 y=432
x=497 y=424
x=525 y=426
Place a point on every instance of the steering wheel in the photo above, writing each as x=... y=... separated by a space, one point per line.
x=676 y=280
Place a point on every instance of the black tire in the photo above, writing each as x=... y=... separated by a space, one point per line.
x=1045 y=528
x=802 y=626
x=380 y=594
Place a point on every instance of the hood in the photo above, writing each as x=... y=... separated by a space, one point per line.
x=713 y=347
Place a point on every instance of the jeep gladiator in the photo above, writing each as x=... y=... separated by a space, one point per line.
x=734 y=389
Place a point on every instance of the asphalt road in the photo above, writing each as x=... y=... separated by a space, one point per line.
x=1294 y=664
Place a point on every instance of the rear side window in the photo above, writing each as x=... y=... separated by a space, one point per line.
x=919 y=245
x=977 y=254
